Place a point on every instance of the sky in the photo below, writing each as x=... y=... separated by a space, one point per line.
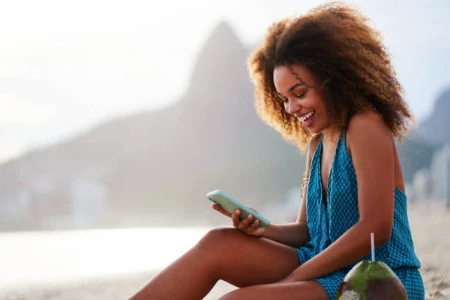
x=68 y=66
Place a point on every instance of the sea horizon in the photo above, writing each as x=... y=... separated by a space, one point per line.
x=36 y=258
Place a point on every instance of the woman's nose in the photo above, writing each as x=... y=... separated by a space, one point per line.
x=292 y=106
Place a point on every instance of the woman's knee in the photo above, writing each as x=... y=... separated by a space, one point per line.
x=220 y=237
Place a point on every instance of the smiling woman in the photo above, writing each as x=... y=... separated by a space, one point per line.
x=324 y=81
x=305 y=95
x=334 y=47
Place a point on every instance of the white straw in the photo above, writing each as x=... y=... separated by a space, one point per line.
x=372 y=244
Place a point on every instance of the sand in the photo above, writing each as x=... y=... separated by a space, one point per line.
x=430 y=225
x=111 y=288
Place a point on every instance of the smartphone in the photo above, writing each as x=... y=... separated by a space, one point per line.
x=230 y=205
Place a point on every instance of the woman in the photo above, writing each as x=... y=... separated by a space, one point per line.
x=324 y=81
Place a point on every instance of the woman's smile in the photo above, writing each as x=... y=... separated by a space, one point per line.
x=307 y=119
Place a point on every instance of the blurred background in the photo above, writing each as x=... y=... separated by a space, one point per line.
x=117 y=117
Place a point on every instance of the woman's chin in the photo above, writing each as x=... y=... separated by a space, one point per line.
x=313 y=131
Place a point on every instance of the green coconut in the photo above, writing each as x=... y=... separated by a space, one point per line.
x=371 y=281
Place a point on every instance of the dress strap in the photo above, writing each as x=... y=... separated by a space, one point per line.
x=317 y=153
x=344 y=136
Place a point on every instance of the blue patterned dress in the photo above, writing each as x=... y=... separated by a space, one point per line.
x=328 y=220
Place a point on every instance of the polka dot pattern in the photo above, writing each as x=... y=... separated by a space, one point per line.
x=328 y=220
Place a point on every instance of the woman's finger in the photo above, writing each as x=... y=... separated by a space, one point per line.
x=220 y=209
x=246 y=222
x=235 y=218
x=254 y=225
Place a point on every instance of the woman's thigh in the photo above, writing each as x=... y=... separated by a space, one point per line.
x=244 y=260
x=302 y=290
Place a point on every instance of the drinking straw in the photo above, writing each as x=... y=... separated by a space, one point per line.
x=372 y=244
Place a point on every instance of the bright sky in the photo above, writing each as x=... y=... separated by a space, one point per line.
x=66 y=66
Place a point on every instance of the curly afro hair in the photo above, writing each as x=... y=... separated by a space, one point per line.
x=335 y=42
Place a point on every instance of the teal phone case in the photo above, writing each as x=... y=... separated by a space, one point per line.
x=230 y=205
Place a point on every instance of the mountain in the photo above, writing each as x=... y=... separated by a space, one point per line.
x=415 y=154
x=154 y=168
x=419 y=146
x=435 y=129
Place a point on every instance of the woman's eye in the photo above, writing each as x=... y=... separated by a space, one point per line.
x=301 y=95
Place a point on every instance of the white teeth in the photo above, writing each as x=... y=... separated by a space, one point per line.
x=302 y=119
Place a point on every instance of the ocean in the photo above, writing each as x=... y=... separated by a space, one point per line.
x=30 y=259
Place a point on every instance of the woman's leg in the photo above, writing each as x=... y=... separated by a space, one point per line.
x=223 y=253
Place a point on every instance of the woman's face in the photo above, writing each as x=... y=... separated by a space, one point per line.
x=303 y=96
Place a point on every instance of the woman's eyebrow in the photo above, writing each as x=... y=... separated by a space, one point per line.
x=295 y=85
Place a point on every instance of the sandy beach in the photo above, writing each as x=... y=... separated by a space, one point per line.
x=430 y=224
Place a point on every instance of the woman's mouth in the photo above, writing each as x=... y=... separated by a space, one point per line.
x=307 y=118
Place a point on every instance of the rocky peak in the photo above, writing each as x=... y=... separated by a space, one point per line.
x=223 y=52
x=435 y=128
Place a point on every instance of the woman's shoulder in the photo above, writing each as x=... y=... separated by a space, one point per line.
x=365 y=126
x=367 y=122
x=366 y=117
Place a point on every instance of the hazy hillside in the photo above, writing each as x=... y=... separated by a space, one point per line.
x=418 y=148
x=415 y=154
x=436 y=128
x=155 y=168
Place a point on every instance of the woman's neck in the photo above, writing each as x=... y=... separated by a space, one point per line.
x=331 y=135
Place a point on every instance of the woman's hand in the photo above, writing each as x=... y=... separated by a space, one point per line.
x=248 y=225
